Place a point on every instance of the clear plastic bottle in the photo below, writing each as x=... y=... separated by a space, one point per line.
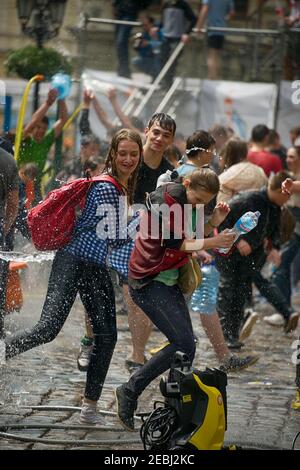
x=244 y=224
x=205 y=296
x=62 y=83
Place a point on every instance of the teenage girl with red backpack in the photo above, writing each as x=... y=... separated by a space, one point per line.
x=80 y=267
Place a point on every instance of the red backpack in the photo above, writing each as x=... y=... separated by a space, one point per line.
x=52 y=221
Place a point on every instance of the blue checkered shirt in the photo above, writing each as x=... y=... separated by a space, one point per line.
x=86 y=243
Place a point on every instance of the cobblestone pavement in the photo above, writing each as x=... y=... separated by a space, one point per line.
x=259 y=398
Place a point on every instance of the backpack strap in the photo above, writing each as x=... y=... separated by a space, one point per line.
x=108 y=179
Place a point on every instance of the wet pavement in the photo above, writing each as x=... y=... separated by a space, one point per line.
x=259 y=398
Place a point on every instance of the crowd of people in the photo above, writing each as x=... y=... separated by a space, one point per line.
x=212 y=170
x=160 y=37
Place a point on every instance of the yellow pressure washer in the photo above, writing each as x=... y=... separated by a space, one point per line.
x=194 y=413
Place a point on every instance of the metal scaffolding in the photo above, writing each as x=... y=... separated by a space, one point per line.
x=252 y=61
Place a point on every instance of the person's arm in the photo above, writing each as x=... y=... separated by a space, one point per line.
x=202 y=18
x=40 y=113
x=11 y=210
x=63 y=117
x=125 y=120
x=102 y=116
x=84 y=123
x=224 y=239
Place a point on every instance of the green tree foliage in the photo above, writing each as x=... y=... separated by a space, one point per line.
x=31 y=60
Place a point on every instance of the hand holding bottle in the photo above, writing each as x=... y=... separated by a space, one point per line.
x=224 y=239
x=244 y=224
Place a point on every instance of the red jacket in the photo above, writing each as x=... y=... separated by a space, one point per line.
x=152 y=254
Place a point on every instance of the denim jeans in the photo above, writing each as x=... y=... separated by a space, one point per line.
x=167 y=309
x=70 y=275
x=282 y=275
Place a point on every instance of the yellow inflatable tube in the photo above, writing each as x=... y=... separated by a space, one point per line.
x=19 y=129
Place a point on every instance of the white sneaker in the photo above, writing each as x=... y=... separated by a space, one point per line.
x=276 y=319
x=90 y=417
x=246 y=329
x=2 y=352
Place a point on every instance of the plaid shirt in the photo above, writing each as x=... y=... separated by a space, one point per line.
x=119 y=259
x=86 y=243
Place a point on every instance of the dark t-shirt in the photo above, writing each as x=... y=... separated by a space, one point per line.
x=147 y=179
x=9 y=178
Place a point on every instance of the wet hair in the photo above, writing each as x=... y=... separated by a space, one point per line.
x=235 y=151
x=45 y=120
x=276 y=181
x=199 y=140
x=259 y=133
x=164 y=120
x=110 y=166
x=91 y=164
x=205 y=179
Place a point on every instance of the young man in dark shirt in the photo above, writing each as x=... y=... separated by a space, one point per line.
x=159 y=135
x=248 y=256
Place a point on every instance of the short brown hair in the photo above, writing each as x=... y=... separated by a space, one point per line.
x=206 y=179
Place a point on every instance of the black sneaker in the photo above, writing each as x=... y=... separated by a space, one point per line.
x=234 y=363
x=126 y=407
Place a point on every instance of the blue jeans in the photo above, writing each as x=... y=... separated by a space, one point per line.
x=70 y=275
x=282 y=275
x=167 y=309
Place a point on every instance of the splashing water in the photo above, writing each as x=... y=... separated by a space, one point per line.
x=27 y=257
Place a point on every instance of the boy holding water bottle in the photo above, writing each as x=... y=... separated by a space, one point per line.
x=249 y=253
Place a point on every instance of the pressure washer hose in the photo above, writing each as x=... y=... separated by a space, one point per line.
x=36 y=78
x=7 y=435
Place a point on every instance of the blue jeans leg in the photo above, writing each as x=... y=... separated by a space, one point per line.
x=282 y=275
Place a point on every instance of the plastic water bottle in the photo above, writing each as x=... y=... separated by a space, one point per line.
x=244 y=224
x=205 y=296
x=62 y=83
